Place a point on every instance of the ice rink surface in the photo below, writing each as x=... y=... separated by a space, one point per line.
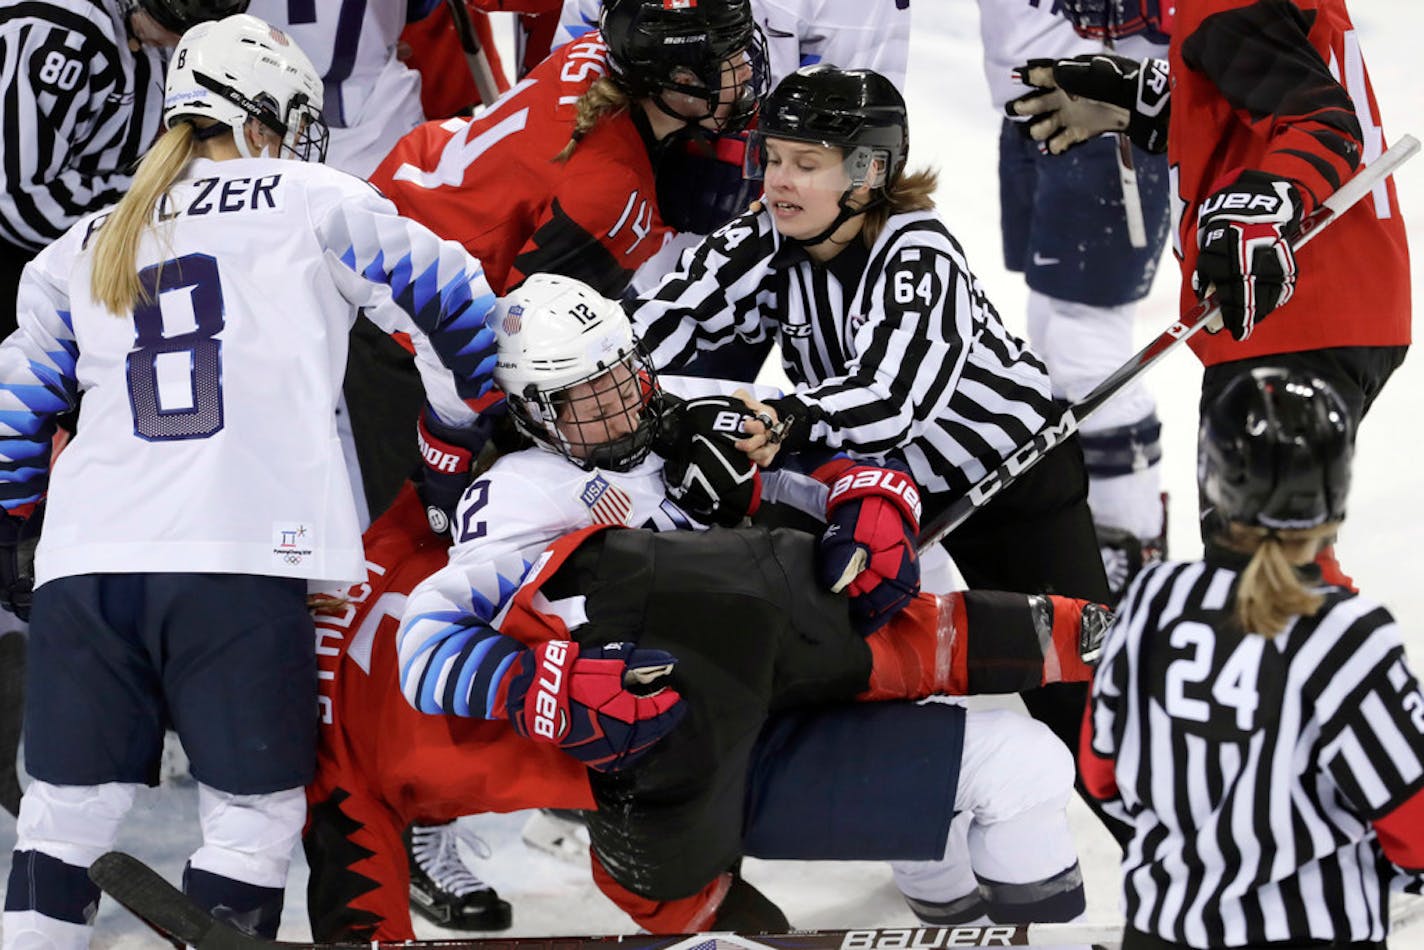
x=955 y=128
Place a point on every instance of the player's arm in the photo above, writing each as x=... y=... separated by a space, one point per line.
x=408 y=279
x=911 y=351
x=714 y=297
x=1360 y=715
x=49 y=91
x=37 y=376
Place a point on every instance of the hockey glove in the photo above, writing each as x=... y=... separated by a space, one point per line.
x=18 y=538
x=605 y=706
x=788 y=428
x=449 y=454
x=705 y=473
x=1077 y=99
x=1243 y=248
x=868 y=547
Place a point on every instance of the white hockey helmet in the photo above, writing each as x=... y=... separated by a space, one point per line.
x=242 y=68
x=557 y=335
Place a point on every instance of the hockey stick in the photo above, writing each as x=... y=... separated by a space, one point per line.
x=157 y=902
x=1070 y=418
x=475 y=56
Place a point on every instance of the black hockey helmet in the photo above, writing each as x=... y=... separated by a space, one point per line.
x=179 y=15
x=651 y=42
x=1274 y=451
x=857 y=110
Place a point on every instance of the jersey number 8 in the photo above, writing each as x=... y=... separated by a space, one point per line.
x=175 y=382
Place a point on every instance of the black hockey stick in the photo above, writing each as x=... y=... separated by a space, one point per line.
x=1070 y=418
x=475 y=56
x=164 y=907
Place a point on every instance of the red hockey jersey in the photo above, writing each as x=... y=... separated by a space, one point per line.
x=1281 y=86
x=495 y=185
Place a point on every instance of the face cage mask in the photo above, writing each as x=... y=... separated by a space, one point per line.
x=743 y=109
x=307 y=134
x=538 y=415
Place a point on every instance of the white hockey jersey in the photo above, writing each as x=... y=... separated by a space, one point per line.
x=371 y=98
x=502 y=525
x=1015 y=31
x=207 y=436
x=870 y=34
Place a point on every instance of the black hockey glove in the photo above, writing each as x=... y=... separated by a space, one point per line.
x=1243 y=248
x=449 y=454
x=1077 y=99
x=18 y=538
x=705 y=473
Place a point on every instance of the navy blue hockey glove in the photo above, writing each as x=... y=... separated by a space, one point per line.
x=449 y=454
x=605 y=706
x=868 y=547
x=705 y=473
x=1243 y=248
x=1074 y=100
x=18 y=538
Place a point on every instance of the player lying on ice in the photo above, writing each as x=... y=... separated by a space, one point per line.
x=703 y=693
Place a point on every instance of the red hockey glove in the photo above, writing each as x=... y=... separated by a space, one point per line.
x=449 y=454
x=605 y=706
x=1244 y=250
x=868 y=547
x=705 y=473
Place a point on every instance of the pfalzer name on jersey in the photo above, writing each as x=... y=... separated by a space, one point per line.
x=236 y=194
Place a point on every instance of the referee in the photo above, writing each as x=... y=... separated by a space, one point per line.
x=1262 y=731
x=83 y=89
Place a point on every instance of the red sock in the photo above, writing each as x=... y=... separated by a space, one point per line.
x=921 y=652
x=682 y=916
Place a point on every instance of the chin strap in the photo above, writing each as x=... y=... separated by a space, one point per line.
x=842 y=216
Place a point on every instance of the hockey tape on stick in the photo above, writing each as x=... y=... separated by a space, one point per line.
x=480 y=70
x=1072 y=417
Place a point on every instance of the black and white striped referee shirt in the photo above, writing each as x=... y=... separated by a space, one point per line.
x=1269 y=781
x=896 y=347
x=77 y=110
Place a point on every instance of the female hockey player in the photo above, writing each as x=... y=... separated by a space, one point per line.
x=654 y=658
x=204 y=320
x=559 y=175
x=892 y=346
x=1262 y=730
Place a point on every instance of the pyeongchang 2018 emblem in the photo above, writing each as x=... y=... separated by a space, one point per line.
x=292 y=544
x=608 y=504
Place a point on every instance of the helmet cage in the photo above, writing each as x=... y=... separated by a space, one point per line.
x=303 y=132
x=711 y=85
x=580 y=426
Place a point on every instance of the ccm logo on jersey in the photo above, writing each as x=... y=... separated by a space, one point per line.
x=546 y=702
x=890 y=481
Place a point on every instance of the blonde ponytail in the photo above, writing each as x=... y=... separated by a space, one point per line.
x=114 y=283
x=603 y=98
x=1270 y=591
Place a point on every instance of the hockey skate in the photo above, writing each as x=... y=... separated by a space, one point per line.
x=557 y=832
x=443 y=889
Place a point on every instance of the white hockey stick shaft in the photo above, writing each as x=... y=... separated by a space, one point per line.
x=1069 y=420
x=1131 y=196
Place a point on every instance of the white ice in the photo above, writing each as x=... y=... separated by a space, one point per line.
x=955 y=129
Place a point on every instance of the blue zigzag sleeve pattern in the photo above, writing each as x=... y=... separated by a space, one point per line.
x=37 y=382
x=451 y=660
x=436 y=283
